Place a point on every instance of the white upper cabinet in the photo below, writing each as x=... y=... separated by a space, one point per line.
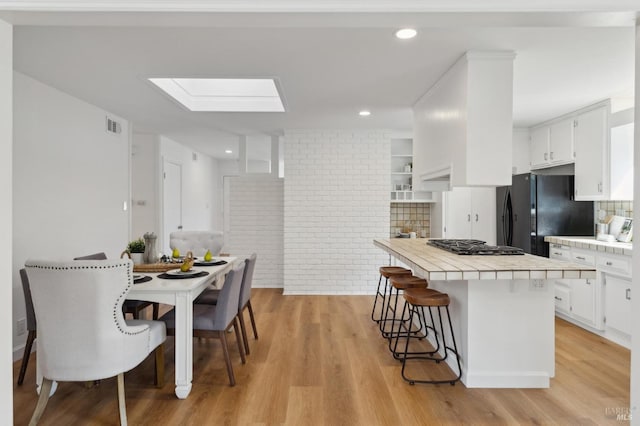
x=592 y=159
x=539 y=147
x=552 y=144
x=463 y=125
x=602 y=155
x=561 y=142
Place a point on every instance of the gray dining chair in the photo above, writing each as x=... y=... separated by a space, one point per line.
x=210 y=297
x=133 y=307
x=31 y=324
x=214 y=321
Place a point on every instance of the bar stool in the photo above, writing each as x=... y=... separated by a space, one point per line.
x=398 y=282
x=417 y=300
x=386 y=272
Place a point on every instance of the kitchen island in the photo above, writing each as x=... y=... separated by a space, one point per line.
x=502 y=309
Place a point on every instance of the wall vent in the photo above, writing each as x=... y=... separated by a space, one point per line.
x=113 y=126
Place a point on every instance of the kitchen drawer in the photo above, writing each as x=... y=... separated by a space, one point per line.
x=560 y=252
x=616 y=264
x=584 y=257
x=563 y=298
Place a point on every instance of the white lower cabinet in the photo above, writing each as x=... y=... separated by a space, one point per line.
x=583 y=300
x=601 y=305
x=617 y=303
x=576 y=299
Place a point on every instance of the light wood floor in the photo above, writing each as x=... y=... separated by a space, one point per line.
x=320 y=360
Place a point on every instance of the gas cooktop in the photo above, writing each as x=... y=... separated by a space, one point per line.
x=474 y=247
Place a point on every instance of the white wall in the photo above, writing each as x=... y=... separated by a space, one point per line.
x=70 y=181
x=336 y=201
x=635 y=301
x=6 y=138
x=256 y=212
x=200 y=186
x=521 y=152
x=145 y=185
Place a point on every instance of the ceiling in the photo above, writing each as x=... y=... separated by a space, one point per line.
x=328 y=66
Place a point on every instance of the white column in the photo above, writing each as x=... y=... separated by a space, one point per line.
x=242 y=155
x=275 y=155
x=6 y=142
x=635 y=299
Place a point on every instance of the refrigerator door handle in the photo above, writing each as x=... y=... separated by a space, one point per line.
x=509 y=232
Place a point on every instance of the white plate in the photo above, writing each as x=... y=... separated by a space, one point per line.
x=208 y=262
x=179 y=272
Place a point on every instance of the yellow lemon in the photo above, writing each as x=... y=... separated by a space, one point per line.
x=185 y=266
x=175 y=253
x=207 y=256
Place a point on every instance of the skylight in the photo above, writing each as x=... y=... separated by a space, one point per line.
x=223 y=94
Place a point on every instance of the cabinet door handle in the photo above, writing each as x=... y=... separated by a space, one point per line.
x=545 y=156
x=551 y=155
x=609 y=263
x=468 y=218
x=627 y=294
x=558 y=298
x=477 y=217
x=580 y=257
x=588 y=282
x=557 y=254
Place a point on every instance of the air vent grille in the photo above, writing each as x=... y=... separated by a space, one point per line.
x=113 y=126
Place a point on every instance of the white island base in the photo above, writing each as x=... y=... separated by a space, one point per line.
x=502 y=310
x=504 y=330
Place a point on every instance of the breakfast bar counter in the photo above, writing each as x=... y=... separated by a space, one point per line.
x=502 y=309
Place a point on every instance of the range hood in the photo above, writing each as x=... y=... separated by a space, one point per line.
x=438 y=179
x=463 y=125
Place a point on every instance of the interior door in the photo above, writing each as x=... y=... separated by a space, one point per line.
x=171 y=201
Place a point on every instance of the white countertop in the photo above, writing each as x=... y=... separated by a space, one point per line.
x=591 y=243
x=437 y=264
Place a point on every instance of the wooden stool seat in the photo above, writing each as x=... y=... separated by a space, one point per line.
x=404 y=281
x=430 y=297
x=392 y=271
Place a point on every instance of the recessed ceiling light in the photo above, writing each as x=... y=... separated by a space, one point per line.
x=223 y=94
x=228 y=151
x=406 y=33
x=365 y=113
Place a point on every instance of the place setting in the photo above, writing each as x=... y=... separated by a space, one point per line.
x=185 y=270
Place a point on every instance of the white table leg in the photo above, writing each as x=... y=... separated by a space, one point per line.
x=184 y=344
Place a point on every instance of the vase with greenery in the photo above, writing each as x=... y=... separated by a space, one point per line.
x=136 y=250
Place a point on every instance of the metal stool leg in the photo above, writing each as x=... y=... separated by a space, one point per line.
x=447 y=350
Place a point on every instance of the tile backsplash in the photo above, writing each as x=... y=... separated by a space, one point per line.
x=620 y=208
x=410 y=217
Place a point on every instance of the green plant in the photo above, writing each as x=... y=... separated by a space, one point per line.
x=136 y=246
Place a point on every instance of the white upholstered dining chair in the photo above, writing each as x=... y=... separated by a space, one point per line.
x=82 y=333
x=198 y=242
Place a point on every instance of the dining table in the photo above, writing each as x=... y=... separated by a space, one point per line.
x=180 y=293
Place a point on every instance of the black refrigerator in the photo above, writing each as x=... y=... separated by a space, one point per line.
x=535 y=206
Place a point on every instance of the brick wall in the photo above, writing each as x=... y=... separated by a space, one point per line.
x=336 y=202
x=256 y=216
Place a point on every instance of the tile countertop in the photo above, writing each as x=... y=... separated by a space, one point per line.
x=437 y=264
x=591 y=243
